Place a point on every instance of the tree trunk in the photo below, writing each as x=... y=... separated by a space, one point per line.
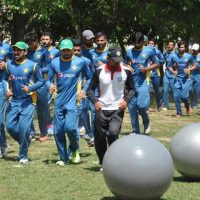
x=18 y=27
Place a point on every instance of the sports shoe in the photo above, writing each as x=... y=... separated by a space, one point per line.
x=91 y=142
x=23 y=161
x=43 y=138
x=86 y=137
x=164 y=109
x=50 y=129
x=75 y=157
x=32 y=137
x=147 y=130
x=101 y=169
x=61 y=163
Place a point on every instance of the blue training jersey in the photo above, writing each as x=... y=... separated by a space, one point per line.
x=138 y=58
x=39 y=56
x=181 y=63
x=168 y=57
x=5 y=53
x=98 y=56
x=67 y=73
x=156 y=71
x=53 y=53
x=20 y=74
x=196 y=72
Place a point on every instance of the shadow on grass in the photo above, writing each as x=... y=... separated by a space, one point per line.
x=109 y=198
x=14 y=158
x=94 y=169
x=115 y=198
x=84 y=155
x=184 y=179
x=48 y=162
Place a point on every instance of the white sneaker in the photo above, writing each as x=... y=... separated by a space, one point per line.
x=61 y=163
x=75 y=157
x=23 y=161
x=147 y=130
x=164 y=109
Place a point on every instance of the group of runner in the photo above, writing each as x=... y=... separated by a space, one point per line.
x=92 y=85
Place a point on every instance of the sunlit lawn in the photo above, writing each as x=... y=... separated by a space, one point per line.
x=42 y=179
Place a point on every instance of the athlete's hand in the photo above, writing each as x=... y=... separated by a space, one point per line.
x=123 y=105
x=25 y=88
x=81 y=94
x=175 y=73
x=98 y=105
x=187 y=70
x=52 y=89
x=9 y=94
x=2 y=65
x=143 y=69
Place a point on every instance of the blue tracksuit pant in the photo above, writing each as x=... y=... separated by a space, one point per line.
x=66 y=121
x=155 y=80
x=19 y=117
x=140 y=104
x=42 y=110
x=195 y=90
x=3 y=102
x=168 y=84
x=181 y=92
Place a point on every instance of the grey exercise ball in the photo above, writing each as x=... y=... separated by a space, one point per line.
x=137 y=167
x=185 y=151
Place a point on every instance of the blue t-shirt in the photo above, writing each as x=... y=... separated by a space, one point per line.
x=67 y=73
x=181 y=63
x=168 y=57
x=196 y=72
x=22 y=74
x=98 y=57
x=138 y=58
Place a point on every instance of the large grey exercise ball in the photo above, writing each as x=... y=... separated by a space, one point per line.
x=185 y=151
x=137 y=167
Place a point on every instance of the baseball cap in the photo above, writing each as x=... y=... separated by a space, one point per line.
x=195 y=47
x=88 y=34
x=21 y=45
x=66 y=44
x=116 y=54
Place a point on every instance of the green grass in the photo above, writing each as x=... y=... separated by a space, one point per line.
x=42 y=179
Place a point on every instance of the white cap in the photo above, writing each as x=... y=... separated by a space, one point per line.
x=195 y=47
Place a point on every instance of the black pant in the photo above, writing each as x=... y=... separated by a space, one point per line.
x=107 y=126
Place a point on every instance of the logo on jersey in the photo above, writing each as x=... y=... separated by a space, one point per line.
x=38 y=56
x=74 y=67
x=59 y=75
x=186 y=59
x=26 y=70
x=118 y=53
x=3 y=52
x=119 y=79
x=143 y=55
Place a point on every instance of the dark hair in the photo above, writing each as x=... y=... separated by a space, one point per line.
x=46 y=33
x=99 y=34
x=153 y=40
x=31 y=37
x=182 y=43
x=76 y=42
x=171 y=41
x=137 y=37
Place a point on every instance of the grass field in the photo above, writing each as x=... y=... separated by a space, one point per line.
x=42 y=179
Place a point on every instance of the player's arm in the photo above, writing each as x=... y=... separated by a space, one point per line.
x=39 y=81
x=130 y=87
x=50 y=86
x=5 y=83
x=172 y=66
